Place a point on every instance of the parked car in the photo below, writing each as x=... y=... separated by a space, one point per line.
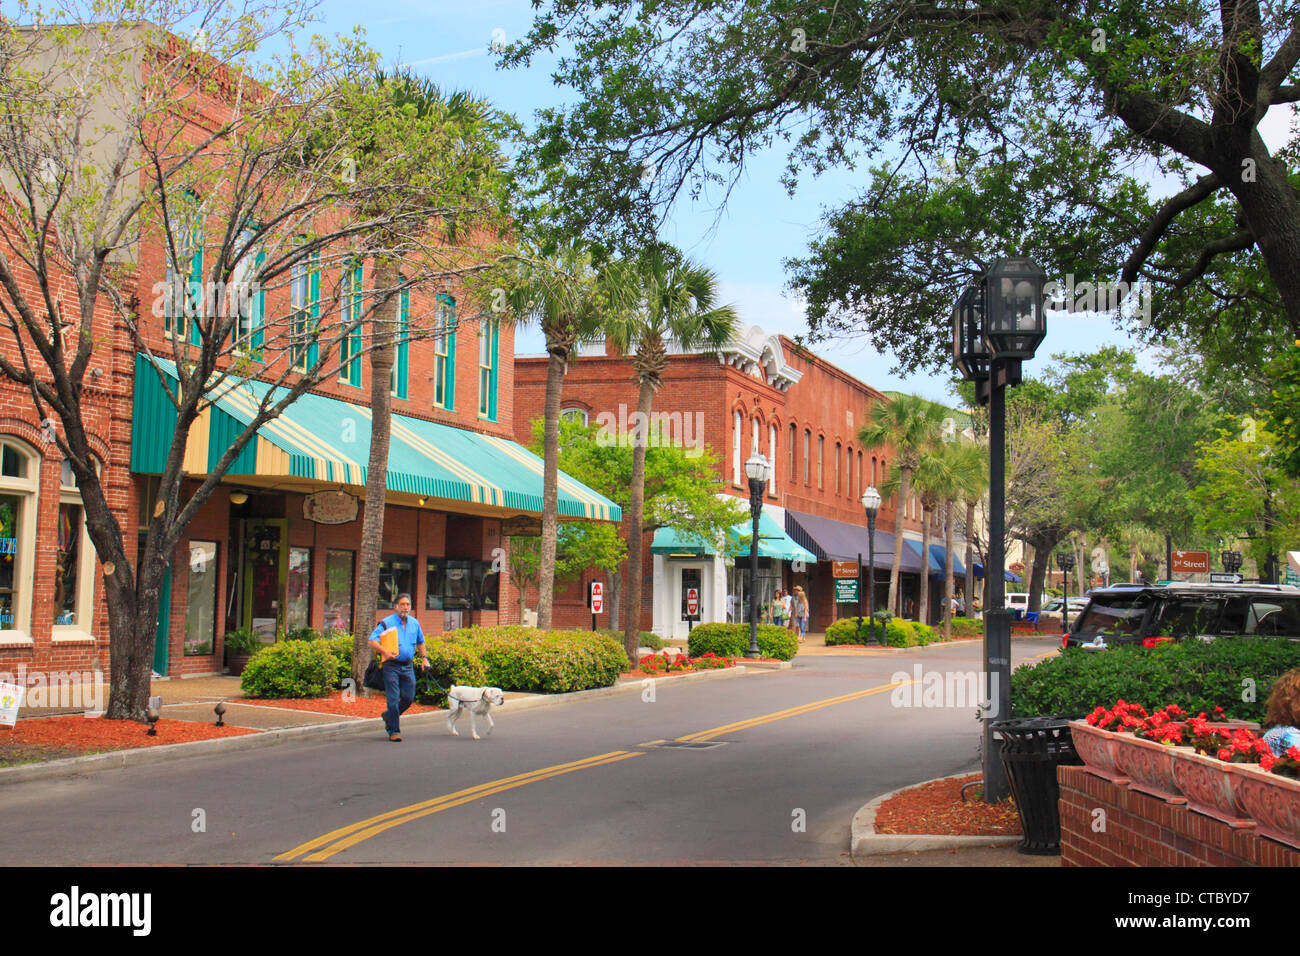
x=1051 y=611
x=1018 y=601
x=1153 y=614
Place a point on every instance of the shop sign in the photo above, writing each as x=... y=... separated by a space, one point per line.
x=522 y=526
x=11 y=697
x=330 y=507
x=844 y=569
x=846 y=592
x=1191 y=562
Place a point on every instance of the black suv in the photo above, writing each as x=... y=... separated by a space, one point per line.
x=1148 y=615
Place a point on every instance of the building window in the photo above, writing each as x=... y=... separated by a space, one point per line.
x=838 y=487
x=247 y=297
x=396 y=576
x=735 y=448
x=74 y=562
x=298 y=607
x=183 y=294
x=201 y=599
x=794 y=458
x=771 y=458
x=19 y=478
x=575 y=414
x=848 y=466
x=338 y=591
x=488 y=334
x=304 y=302
x=821 y=461
x=753 y=437
x=807 y=453
x=350 y=294
x=444 y=352
x=400 y=371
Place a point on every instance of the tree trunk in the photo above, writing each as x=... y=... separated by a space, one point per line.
x=636 y=511
x=1080 y=544
x=1038 y=571
x=615 y=597
x=948 y=570
x=923 y=599
x=896 y=566
x=550 y=485
x=383 y=328
x=970 y=560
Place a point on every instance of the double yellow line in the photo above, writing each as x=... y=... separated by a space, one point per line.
x=325 y=846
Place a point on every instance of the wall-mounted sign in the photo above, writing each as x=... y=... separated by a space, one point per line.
x=522 y=526
x=330 y=507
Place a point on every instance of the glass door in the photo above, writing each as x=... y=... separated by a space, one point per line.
x=266 y=568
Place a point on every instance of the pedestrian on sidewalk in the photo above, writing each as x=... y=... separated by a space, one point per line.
x=778 y=608
x=787 y=608
x=399 y=674
x=800 y=608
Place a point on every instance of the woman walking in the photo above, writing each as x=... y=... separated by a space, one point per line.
x=778 y=608
x=799 y=608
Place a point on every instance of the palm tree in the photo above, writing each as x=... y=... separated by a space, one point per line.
x=936 y=483
x=403 y=101
x=676 y=301
x=569 y=300
x=973 y=472
x=909 y=424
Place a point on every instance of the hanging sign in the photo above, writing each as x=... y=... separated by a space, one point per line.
x=330 y=507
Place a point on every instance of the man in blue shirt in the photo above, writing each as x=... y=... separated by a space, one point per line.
x=399 y=675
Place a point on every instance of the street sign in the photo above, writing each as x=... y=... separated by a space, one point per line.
x=1218 y=577
x=846 y=592
x=1191 y=562
x=597 y=597
x=844 y=569
x=692 y=602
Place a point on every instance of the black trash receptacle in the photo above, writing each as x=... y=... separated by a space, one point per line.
x=1032 y=749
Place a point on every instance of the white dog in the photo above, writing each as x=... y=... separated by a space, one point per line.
x=477 y=700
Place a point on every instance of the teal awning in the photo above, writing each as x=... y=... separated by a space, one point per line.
x=327 y=440
x=773 y=542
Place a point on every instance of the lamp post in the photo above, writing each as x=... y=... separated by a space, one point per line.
x=1065 y=561
x=1231 y=561
x=756 y=468
x=996 y=326
x=870 y=502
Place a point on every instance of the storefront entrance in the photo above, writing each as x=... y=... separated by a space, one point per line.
x=265 y=573
x=686 y=579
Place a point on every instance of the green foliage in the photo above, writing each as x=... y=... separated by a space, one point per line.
x=242 y=642
x=648 y=638
x=303 y=634
x=340 y=645
x=1195 y=675
x=546 y=662
x=845 y=630
x=732 y=640
x=967 y=627
x=449 y=663
x=291 y=669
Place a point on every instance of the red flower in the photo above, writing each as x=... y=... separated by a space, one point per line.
x=1293 y=753
x=1266 y=762
x=1225 y=754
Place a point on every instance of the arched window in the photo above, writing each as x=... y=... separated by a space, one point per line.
x=771 y=459
x=74 y=563
x=753 y=436
x=574 y=414
x=20 y=468
x=821 y=461
x=839 y=489
x=807 y=453
x=735 y=448
x=861 y=489
x=794 y=458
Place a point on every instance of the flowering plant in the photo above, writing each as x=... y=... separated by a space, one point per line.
x=657 y=664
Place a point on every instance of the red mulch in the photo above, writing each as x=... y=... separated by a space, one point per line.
x=694 y=670
x=335 y=704
x=936 y=808
x=71 y=736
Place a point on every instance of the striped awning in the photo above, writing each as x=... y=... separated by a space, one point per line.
x=773 y=542
x=327 y=441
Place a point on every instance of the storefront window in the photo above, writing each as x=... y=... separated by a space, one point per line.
x=67 y=563
x=396 y=576
x=486 y=586
x=201 y=601
x=768 y=580
x=19 y=472
x=338 y=590
x=299 y=596
x=10 y=515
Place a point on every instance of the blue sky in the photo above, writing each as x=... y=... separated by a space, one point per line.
x=761 y=225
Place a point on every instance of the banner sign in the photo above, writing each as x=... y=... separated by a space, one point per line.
x=846 y=592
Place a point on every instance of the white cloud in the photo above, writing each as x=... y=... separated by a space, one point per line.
x=448 y=57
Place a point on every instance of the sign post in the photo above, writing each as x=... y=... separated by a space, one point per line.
x=596 y=600
x=692 y=607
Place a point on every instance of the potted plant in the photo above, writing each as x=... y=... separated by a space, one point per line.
x=240 y=646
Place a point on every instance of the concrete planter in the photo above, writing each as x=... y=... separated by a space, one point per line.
x=1272 y=800
x=1149 y=766
x=1097 y=748
x=1210 y=787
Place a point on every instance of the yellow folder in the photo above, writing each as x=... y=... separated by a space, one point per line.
x=388 y=640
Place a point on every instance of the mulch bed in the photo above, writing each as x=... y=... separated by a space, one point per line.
x=335 y=704
x=52 y=738
x=937 y=808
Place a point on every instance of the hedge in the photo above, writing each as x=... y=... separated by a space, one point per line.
x=648 y=638
x=549 y=662
x=967 y=627
x=449 y=663
x=732 y=640
x=291 y=669
x=1233 y=673
x=845 y=630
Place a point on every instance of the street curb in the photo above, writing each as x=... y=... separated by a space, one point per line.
x=867 y=842
x=344 y=726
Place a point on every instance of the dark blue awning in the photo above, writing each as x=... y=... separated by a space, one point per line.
x=1009 y=575
x=833 y=540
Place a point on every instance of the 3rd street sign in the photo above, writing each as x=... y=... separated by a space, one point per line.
x=1191 y=562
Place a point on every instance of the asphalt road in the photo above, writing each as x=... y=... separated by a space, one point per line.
x=779 y=764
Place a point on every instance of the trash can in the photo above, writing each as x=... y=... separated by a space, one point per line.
x=1032 y=749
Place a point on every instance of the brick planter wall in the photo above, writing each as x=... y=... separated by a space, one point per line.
x=1144 y=831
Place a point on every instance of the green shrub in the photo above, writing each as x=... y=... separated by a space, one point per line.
x=925 y=634
x=967 y=627
x=845 y=630
x=242 y=642
x=303 y=634
x=732 y=640
x=648 y=638
x=449 y=663
x=900 y=633
x=340 y=645
x=1195 y=675
x=291 y=669
x=548 y=662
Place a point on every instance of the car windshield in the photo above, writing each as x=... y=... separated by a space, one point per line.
x=1114 y=614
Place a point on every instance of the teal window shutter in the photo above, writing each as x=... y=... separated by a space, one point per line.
x=451 y=355
x=313 y=326
x=258 y=306
x=400 y=364
x=196 y=296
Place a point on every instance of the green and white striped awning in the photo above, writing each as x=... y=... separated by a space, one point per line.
x=327 y=441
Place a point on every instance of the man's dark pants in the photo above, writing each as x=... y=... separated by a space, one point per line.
x=399 y=685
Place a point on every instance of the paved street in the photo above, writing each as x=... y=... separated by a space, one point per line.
x=583 y=782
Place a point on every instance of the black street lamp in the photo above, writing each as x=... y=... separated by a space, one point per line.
x=870 y=502
x=1065 y=561
x=1231 y=561
x=756 y=468
x=1012 y=323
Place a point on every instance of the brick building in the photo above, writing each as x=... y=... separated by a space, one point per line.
x=275 y=548
x=765 y=394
